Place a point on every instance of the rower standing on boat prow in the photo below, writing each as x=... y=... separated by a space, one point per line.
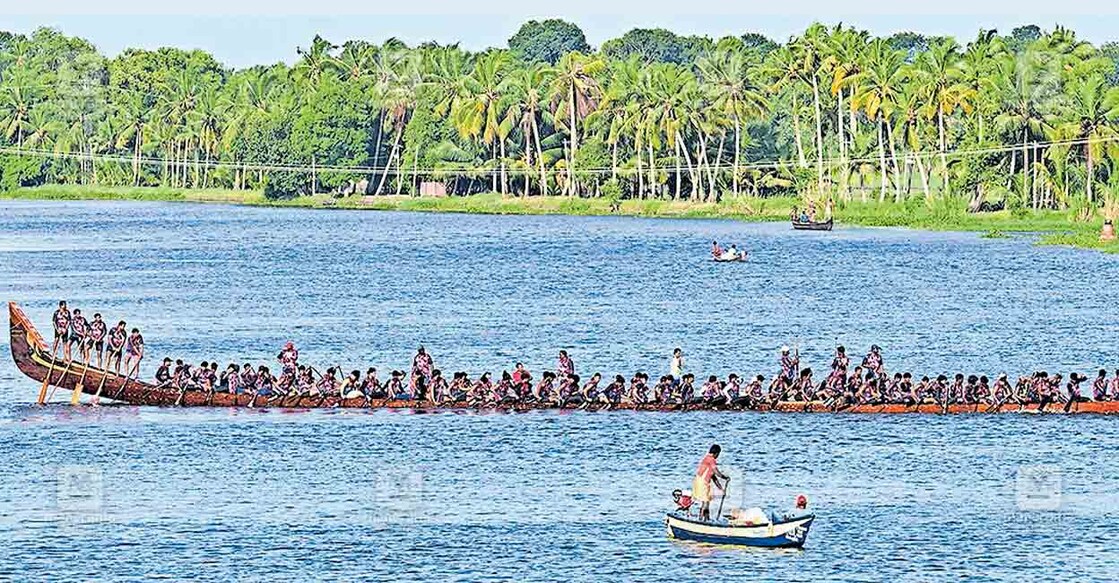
x=61 y=321
x=422 y=366
x=706 y=474
x=289 y=358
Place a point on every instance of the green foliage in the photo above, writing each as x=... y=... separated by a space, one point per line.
x=656 y=45
x=285 y=185
x=546 y=41
x=17 y=171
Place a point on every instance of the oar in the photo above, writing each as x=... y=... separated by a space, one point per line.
x=46 y=381
x=65 y=371
x=76 y=394
x=726 y=488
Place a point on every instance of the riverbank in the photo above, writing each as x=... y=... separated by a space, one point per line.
x=1055 y=227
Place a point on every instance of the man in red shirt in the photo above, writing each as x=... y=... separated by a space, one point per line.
x=705 y=474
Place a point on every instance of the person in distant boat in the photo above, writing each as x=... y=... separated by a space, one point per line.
x=812 y=211
x=520 y=374
x=706 y=475
x=289 y=358
x=1073 y=389
x=134 y=352
x=79 y=334
x=61 y=321
x=794 y=215
x=873 y=361
x=716 y=250
x=1115 y=386
x=1099 y=386
x=163 y=373
x=790 y=364
x=731 y=254
x=118 y=337
x=804 y=216
x=97 y=332
x=351 y=385
x=422 y=366
x=829 y=208
x=676 y=366
x=565 y=367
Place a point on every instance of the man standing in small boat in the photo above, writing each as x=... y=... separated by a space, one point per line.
x=565 y=367
x=706 y=474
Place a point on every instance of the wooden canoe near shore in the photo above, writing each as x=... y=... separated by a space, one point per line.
x=33 y=357
x=812 y=226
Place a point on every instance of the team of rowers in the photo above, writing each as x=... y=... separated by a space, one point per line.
x=92 y=339
x=865 y=384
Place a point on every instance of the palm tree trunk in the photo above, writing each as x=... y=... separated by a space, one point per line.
x=882 y=168
x=943 y=149
x=924 y=178
x=843 y=178
x=388 y=164
x=652 y=172
x=737 y=150
x=894 y=161
x=1088 y=180
x=504 y=176
x=819 y=135
x=614 y=160
x=676 y=154
x=796 y=137
x=640 y=174
x=539 y=157
x=1025 y=166
x=574 y=137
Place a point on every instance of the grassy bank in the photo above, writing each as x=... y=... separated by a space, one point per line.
x=1055 y=227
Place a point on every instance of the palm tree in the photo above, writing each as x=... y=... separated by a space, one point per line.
x=1088 y=115
x=527 y=90
x=18 y=94
x=134 y=115
x=315 y=61
x=809 y=50
x=481 y=108
x=1024 y=86
x=784 y=70
x=879 y=85
x=845 y=62
x=575 y=91
x=728 y=80
x=938 y=70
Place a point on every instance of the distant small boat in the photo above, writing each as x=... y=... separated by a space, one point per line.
x=812 y=226
x=737 y=259
x=789 y=532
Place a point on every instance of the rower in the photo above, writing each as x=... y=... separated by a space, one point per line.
x=351 y=386
x=231 y=379
x=61 y=321
x=422 y=366
x=1099 y=386
x=565 y=367
x=1115 y=386
x=789 y=365
x=1073 y=389
x=873 y=361
x=163 y=373
x=134 y=351
x=716 y=250
x=288 y=357
x=676 y=366
x=706 y=474
x=79 y=334
x=97 y=332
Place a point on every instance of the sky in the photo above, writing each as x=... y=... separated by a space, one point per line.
x=251 y=32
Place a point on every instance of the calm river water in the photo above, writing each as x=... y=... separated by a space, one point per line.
x=125 y=493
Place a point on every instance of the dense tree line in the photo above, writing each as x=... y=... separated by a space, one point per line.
x=1029 y=117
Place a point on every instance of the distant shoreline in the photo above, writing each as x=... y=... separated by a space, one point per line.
x=1055 y=227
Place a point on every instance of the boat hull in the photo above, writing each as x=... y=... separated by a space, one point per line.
x=824 y=226
x=33 y=357
x=788 y=534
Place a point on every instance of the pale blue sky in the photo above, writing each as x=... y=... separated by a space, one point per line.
x=265 y=31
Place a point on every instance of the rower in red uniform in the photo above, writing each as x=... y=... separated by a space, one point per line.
x=289 y=358
x=79 y=334
x=134 y=353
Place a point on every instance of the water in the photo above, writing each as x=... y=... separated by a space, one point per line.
x=125 y=493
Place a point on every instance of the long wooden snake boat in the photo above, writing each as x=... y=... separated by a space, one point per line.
x=33 y=357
